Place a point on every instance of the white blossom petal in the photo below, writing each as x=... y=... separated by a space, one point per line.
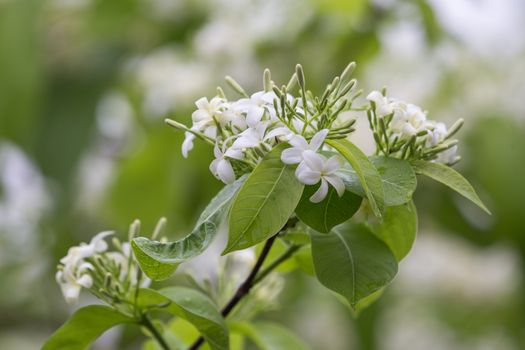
x=318 y=139
x=70 y=292
x=299 y=142
x=309 y=177
x=187 y=145
x=280 y=131
x=337 y=183
x=85 y=281
x=292 y=155
x=202 y=103
x=321 y=193
x=332 y=165
x=225 y=171
x=315 y=161
x=98 y=243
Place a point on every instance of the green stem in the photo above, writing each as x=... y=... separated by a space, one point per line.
x=146 y=322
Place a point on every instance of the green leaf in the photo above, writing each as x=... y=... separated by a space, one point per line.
x=193 y=306
x=366 y=172
x=270 y=336
x=84 y=326
x=451 y=178
x=362 y=304
x=332 y=211
x=398 y=228
x=159 y=260
x=352 y=262
x=398 y=177
x=303 y=258
x=264 y=203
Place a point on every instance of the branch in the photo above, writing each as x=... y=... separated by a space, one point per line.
x=146 y=322
x=252 y=278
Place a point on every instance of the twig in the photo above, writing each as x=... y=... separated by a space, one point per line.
x=247 y=285
x=146 y=322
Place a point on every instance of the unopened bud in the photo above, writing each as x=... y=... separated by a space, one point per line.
x=347 y=72
x=455 y=128
x=267 y=80
x=235 y=86
x=300 y=76
x=134 y=230
x=220 y=92
x=159 y=228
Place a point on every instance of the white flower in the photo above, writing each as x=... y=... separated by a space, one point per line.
x=78 y=253
x=255 y=106
x=448 y=156
x=187 y=144
x=408 y=121
x=204 y=118
x=384 y=105
x=258 y=134
x=315 y=168
x=221 y=167
x=72 y=278
x=74 y=273
x=436 y=133
x=294 y=155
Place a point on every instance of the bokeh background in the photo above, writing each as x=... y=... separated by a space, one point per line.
x=85 y=86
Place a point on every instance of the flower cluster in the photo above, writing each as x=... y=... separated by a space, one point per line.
x=402 y=130
x=243 y=131
x=110 y=275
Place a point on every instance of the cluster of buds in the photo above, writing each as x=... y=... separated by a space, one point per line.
x=243 y=131
x=402 y=130
x=113 y=276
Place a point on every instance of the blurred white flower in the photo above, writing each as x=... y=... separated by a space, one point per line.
x=436 y=133
x=408 y=121
x=24 y=200
x=72 y=277
x=448 y=156
x=315 y=168
x=187 y=144
x=207 y=113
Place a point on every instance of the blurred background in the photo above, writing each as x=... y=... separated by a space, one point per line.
x=85 y=86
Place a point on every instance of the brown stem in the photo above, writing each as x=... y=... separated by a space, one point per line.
x=244 y=288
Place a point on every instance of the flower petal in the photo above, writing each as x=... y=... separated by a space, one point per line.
x=70 y=292
x=314 y=160
x=292 y=155
x=233 y=153
x=225 y=171
x=332 y=165
x=202 y=103
x=280 y=131
x=299 y=142
x=85 y=281
x=306 y=175
x=338 y=184
x=187 y=145
x=318 y=139
x=254 y=116
x=321 y=193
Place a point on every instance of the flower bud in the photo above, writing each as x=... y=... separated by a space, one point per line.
x=267 y=80
x=235 y=86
